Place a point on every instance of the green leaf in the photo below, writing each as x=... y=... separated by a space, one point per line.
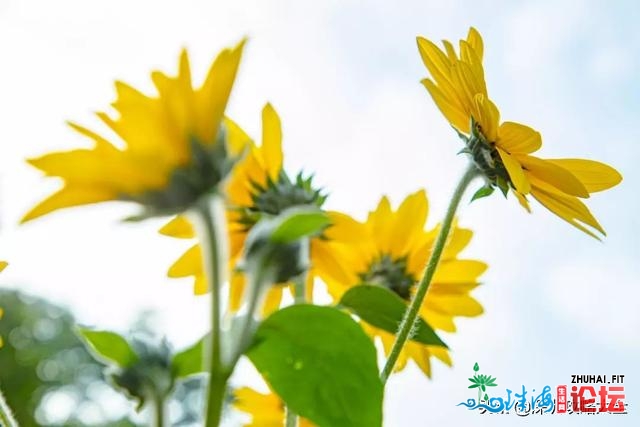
x=299 y=222
x=474 y=386
x=189 y=361
x=483 y=192
x=108 y=347
x=476 y=367
x=384 y=309
x=322 y=364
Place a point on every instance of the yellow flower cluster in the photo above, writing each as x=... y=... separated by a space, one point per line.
x=176 y=146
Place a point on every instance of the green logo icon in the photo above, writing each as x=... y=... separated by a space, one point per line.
x=481 y=382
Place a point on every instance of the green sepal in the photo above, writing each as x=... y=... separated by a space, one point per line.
x=108 y=347
x=482 y=192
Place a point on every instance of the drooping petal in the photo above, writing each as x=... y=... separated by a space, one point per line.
x=569 y=208
x=595 y=176
x=522 y=199
x=553 y=175
x=516 y=174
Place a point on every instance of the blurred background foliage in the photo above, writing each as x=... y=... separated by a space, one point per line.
x=50 y=379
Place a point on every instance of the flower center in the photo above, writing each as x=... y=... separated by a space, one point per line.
x=390 y=273
x=277 y=195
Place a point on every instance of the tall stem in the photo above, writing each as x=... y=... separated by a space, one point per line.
x=300 y=297
x=411 y=314
x=6 y=416
x=159 y=408
x=209 y=216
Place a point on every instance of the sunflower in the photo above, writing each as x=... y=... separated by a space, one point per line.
x=172 y=147
x=392 y=252
x=259 y=187
x=502 y=151
x=267 y=410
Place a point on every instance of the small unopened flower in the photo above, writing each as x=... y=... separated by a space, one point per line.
x=502 y=151
x=392 y=251
x=172 y=147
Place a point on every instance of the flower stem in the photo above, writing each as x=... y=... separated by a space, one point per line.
x=159 y=408
x=6 y=416
x=209 y=216
x=291 y=419
x=413 y=310
x=300 y=297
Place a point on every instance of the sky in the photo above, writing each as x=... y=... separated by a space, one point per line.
x=344 y=77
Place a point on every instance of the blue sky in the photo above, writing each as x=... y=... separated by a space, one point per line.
x=344 y=76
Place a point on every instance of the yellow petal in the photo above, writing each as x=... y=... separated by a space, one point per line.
x=271 y=141
x=459 y=271
x=344 y=229
x=421 y=356
x=237 y=139
x=272 y=300
x=236 y=291
x=595 y=176
x=455 y=115
x=178 y=227
x=459 y=238
x=485 y=112
x=3 y=265
x=441 y=354
x=212 y=97
x=381 y=224
x=523 y=201
x=568 y=208
x=435 y=60
x=454 y=305
x=516 y=174
x=408 y=222
x=553 y=175
x=475 y=40
x=68 y=197
x=451 y=52
x=189 y=264
x=516 y=138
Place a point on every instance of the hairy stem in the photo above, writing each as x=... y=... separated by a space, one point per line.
x=6 y=416
x=413 y=310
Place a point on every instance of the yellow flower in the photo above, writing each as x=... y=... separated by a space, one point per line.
x=392 y=252
x=171 y=150
x=502 y=151
x=258 y=186
x=266 y=410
